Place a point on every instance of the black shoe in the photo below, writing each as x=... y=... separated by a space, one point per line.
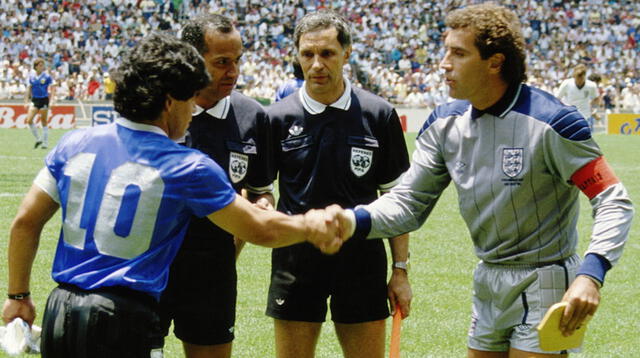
x=37 y=144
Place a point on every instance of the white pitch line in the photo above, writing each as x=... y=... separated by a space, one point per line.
x=15 y=157
x=11 y=194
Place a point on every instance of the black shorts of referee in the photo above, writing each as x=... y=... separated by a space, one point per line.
x=102 y=323
x=200 y=297
x=40 y=103
x=302 y=279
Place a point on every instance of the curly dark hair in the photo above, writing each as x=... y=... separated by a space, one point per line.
x=195 y=30
x=321 y=20
x=159 y=65
x=497 y=30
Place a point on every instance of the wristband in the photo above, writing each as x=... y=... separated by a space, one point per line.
x=402 y=265
x=594 y=266
x=19 y=296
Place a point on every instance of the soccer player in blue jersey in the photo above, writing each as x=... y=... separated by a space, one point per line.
x=334 y=143
x=127 y=192
x=519 y=159
x=38 y=90
x=233 y=130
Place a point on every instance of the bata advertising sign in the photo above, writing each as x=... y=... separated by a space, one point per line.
x=60 y=117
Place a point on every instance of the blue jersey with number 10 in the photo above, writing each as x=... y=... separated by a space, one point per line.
x=127 y=193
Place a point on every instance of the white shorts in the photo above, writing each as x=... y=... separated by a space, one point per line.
x=510 y=301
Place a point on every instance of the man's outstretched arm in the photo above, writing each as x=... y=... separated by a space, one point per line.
x=271 y=228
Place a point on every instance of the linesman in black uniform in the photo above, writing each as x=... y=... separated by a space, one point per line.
x=334 y=143
x=234 y=131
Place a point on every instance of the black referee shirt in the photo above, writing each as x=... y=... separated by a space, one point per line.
x=338 y=156
x=241 y=144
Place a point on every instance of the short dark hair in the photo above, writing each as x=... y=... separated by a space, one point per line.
x=159 y=65
x=195 y=30
x=497 y=30
x=321 y=20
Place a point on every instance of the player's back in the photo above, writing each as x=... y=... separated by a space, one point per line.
x=127 y=191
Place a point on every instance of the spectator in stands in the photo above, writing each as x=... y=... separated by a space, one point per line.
x=109 y=87
x=610 y=44
x=630 y=98
x=93 y=88
x=609 y=99
x=4 y=90
x=596 y=111
x=16 y=90
x=415 y=98
x=71 y=88
x=400 y=90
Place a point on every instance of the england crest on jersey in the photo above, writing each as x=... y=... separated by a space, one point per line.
x=238 y=164
x=512 y=161
x=361 y=160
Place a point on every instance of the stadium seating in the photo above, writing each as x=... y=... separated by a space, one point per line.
x=397 y=44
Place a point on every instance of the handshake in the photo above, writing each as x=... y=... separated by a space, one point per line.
x=328 y=228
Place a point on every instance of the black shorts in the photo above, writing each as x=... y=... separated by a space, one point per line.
x=302 y=278
x=103 y=323
x=200 y=297
x=40 y=103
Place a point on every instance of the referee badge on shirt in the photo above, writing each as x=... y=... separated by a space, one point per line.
x=360 y=161
x=512 y=161
x=238 y=164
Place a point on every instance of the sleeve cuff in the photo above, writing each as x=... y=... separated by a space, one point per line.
x=45 y=181
x=362 y=223
x=595 y=266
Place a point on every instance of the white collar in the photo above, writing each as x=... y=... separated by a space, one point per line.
x=314 y=107
x=220 y=110
x=136 y=126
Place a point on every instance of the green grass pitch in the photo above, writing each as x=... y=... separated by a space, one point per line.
x=442 y=264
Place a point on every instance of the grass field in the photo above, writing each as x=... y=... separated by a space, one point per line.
x=442 y=262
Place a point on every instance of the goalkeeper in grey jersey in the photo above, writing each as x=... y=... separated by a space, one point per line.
x=518 y=158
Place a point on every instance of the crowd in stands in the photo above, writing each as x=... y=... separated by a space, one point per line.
x=396 y=51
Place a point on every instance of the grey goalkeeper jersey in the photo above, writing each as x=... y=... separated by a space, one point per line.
x=512 y=166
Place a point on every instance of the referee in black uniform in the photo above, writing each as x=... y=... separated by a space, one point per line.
x=334 y=143
x=233 y=130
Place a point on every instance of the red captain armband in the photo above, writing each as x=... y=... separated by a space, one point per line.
x=594 y=177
